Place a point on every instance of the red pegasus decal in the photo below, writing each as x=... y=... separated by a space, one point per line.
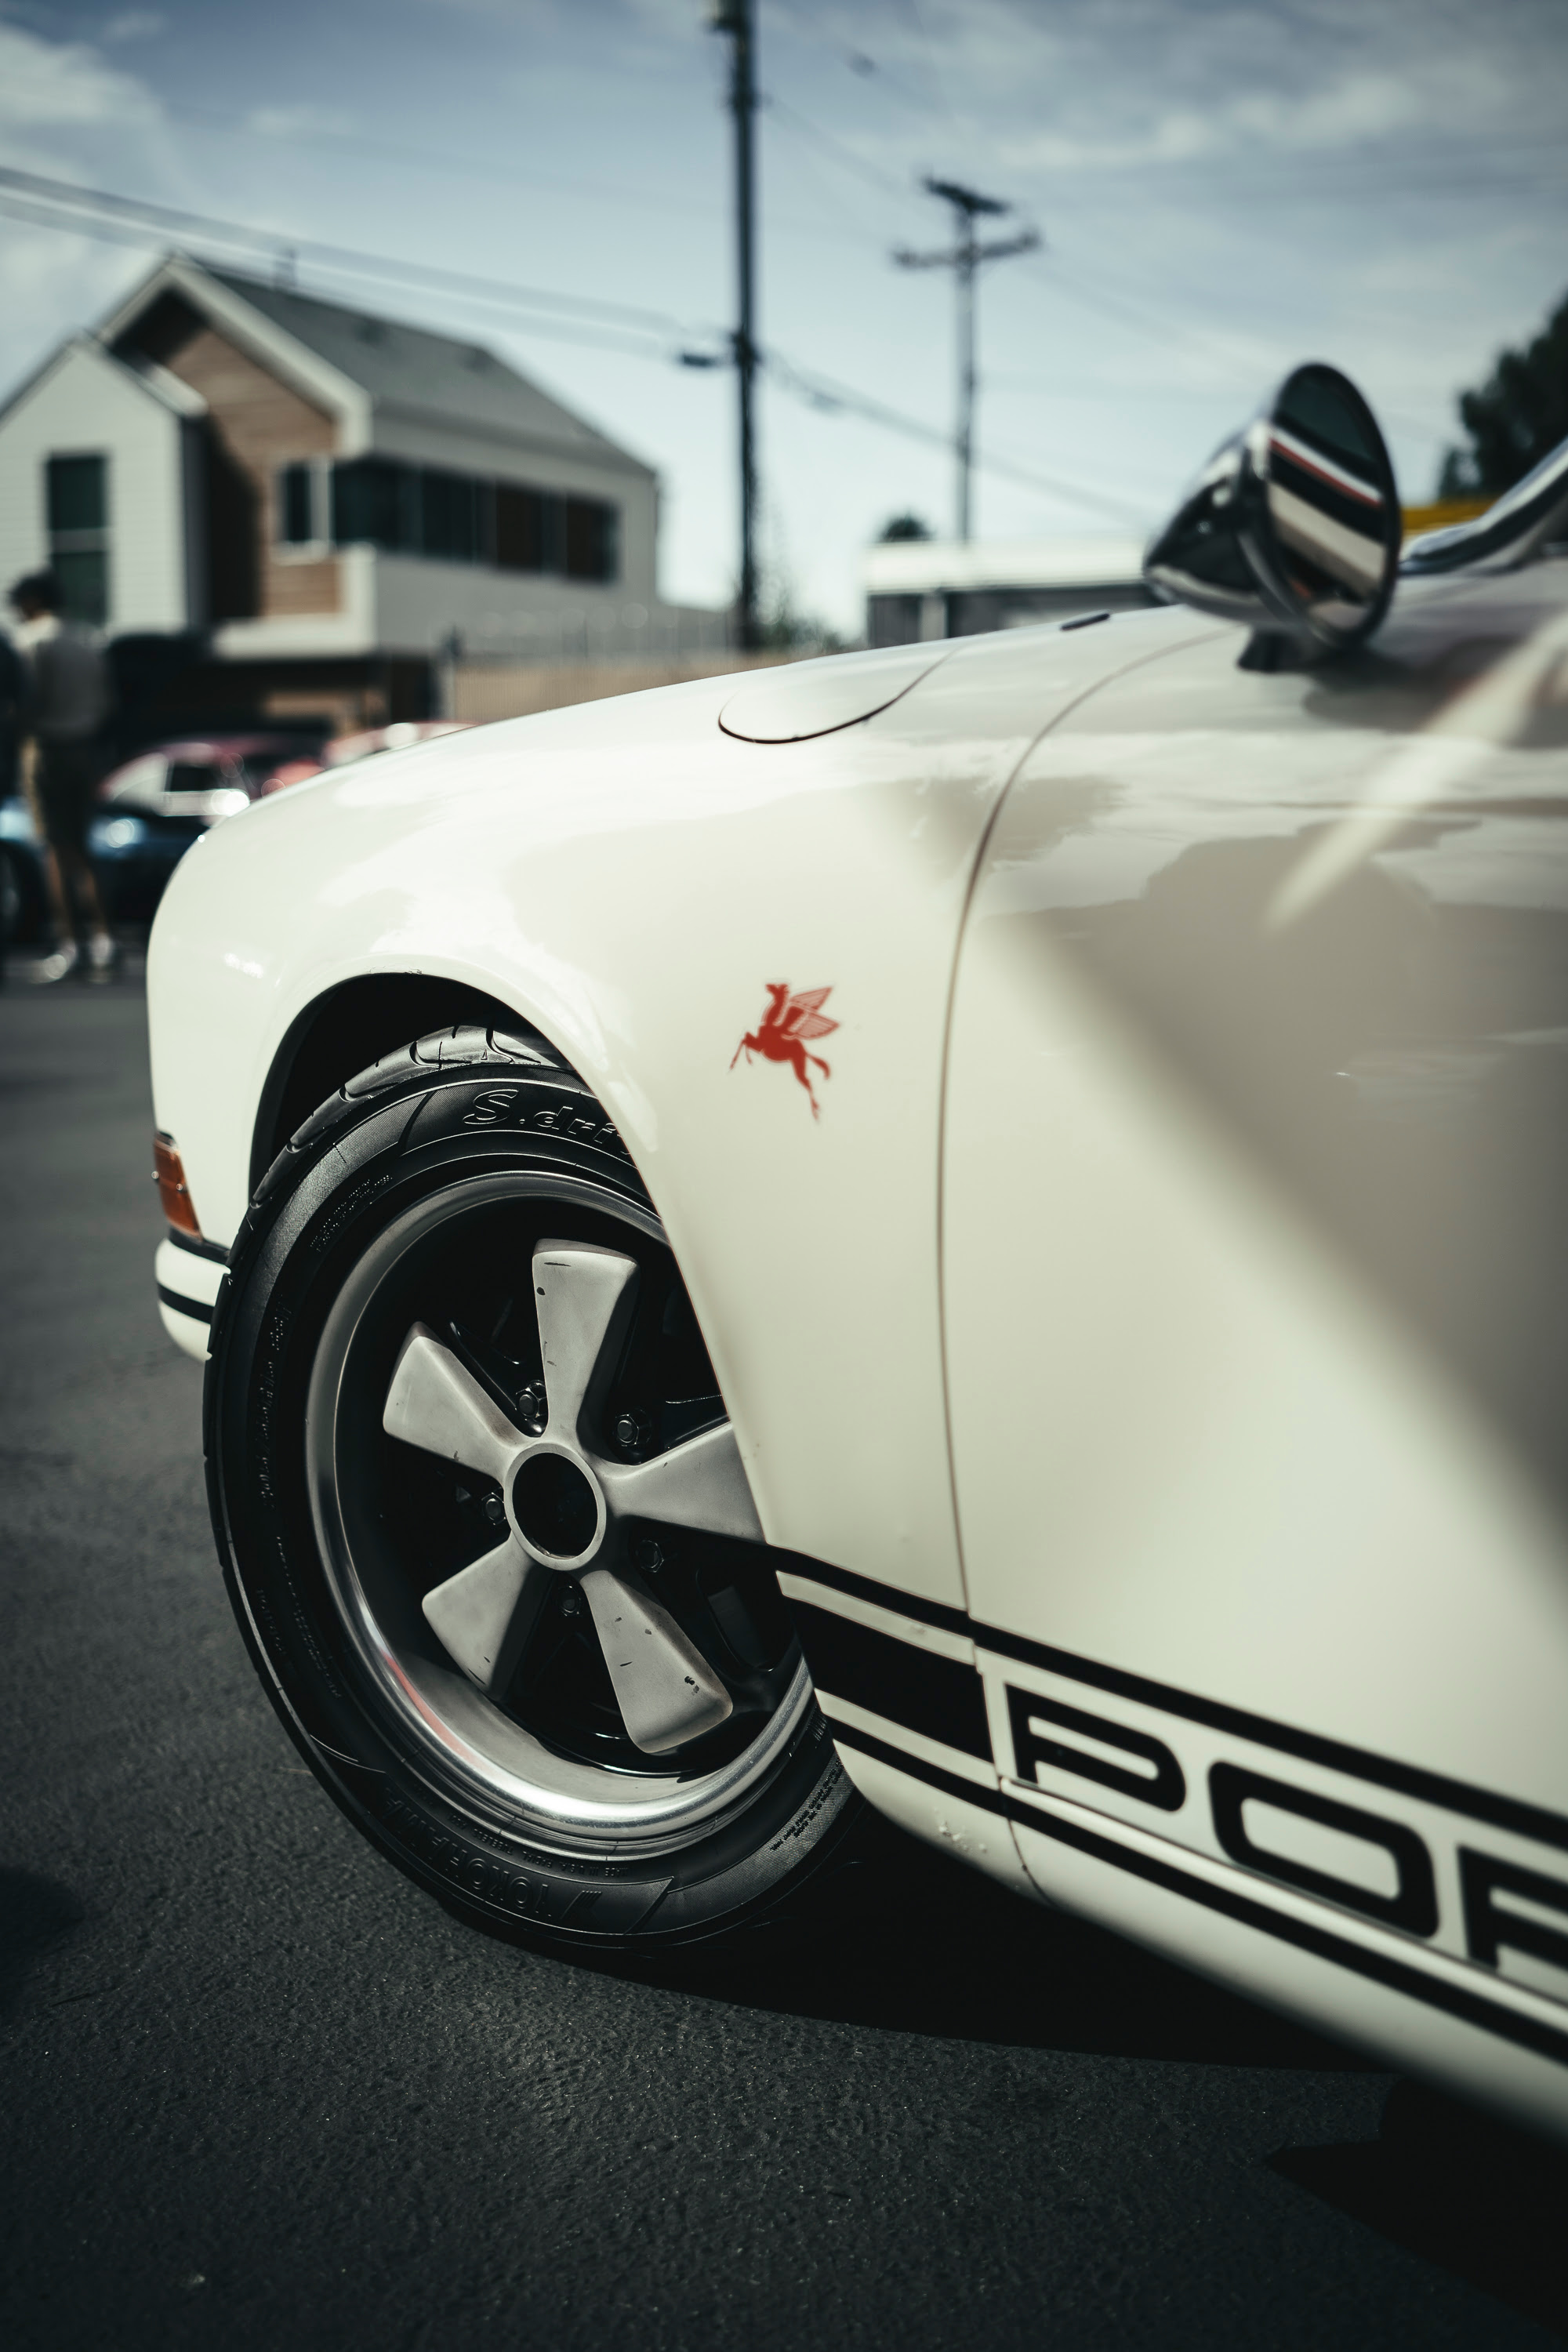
x=786 y=1024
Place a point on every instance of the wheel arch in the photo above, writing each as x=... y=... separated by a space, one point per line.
x=347 y=1027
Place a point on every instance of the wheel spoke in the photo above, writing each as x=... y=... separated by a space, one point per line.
x=701 y=1483
x=483 y=1615
x=584 y=1298
x=666 y=1691
x=435 y=1403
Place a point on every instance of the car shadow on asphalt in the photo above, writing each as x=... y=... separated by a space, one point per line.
x=35 y=1915
x=909 y=1941
x=1484 y=2203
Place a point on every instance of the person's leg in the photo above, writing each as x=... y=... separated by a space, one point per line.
x=58 y=895
x=82 y=884
x=64 y=777
x=38 y=786
x=66 y=955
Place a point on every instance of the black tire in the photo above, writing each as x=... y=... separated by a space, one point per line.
x=406 y=1204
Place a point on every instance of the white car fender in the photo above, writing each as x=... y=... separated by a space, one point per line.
x=630 y=879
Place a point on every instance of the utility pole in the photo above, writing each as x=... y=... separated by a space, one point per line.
x=737 y=18
x=965 y=259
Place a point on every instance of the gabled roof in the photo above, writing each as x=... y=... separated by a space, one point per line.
x=396 y=367
x=406 y=367
x=159 y=385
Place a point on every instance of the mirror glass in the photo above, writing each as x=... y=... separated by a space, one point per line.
x=1329 y=493
x=1293 y=527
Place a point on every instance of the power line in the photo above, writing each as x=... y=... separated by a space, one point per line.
x=141 y=227
x=275 y=242
x=861 y=62
x=844 y=154
x=823 y=392
x=440 y=160
x=1446 y=166
x=109 y=232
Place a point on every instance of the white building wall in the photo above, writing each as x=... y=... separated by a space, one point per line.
x=86 y=403
x=420 y=602
x=915 y=567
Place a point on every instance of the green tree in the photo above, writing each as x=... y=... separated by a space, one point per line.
x=905 y=526
x=1516 y=418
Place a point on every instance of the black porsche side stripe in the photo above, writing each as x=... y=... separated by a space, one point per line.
x=848 y=1734
x=865 y=1588
x=937 y=1697
x=213 y=1252
x=191 y=1306
x=1381 y=1967
x=1358 y=1763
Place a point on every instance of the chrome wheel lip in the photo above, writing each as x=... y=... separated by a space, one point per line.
x=451 y=1721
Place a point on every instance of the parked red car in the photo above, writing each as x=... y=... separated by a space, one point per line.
x=401 y=736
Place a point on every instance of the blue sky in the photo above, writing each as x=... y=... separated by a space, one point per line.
x=1222 y=189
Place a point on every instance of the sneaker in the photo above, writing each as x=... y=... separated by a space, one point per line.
x=58 y=966
x=102 y=955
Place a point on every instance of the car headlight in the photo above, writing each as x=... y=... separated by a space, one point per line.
x=122 y=833
x=228 y=800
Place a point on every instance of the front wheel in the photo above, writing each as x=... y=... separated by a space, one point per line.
x=485 y=1521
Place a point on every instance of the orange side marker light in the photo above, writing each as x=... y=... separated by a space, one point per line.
x=170 y=1178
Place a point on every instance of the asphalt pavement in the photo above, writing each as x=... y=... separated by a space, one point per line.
x=258 y=2091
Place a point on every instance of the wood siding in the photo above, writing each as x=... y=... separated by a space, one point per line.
x=257 y=425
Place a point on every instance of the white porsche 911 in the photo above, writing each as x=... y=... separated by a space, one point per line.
x=982 y=1229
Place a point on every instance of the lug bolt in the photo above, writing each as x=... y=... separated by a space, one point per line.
x=572 y=1602
x=534 y=1408
x=649 y=1556
x=634 y=1428
x=495 y=1510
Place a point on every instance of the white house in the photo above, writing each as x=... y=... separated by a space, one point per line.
x=328 y=496
x=919 y=588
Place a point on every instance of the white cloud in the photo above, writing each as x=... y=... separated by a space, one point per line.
x=300 y=122
x=68 y=114
x=135 y=24
x=51 y=85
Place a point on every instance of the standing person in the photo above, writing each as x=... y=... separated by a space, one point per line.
x=64 y=706
x=11 y=684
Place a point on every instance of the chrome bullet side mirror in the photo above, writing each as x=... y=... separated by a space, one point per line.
x=1294 y=525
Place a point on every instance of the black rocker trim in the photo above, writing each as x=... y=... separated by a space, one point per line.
x=191 y=1306
x=1380 y=1968
x=213 y=1250
x=1358 y=1763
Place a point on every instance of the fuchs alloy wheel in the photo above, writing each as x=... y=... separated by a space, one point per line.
x=485 y=1523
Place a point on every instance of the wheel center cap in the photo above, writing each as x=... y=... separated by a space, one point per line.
x=556 y=1506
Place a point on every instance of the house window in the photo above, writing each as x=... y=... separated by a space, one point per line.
x=522 y=533
x=373 y=503
x=76 y=498
x=449 y=516
x=591 y=536
x=465 y=518
x=296 y=506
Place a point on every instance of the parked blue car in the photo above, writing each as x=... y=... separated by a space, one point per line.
x=150 y=812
